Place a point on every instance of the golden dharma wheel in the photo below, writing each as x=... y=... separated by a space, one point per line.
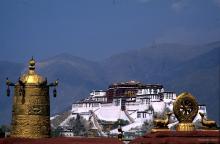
x=185 y=109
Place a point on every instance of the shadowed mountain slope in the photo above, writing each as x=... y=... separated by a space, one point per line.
x=178 y=67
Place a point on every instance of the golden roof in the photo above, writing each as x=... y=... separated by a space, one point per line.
x=31 y=77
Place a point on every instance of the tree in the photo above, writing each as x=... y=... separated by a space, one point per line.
x=55 y=132
x=2 y=134
x=120 y=122
x=78 y=126
x=3 y=130
x=147 y=126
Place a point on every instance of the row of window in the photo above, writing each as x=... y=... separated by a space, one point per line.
x=150 y=91
x=87 y=105
x=142 y=115
x=168 y=97
x=100 y=99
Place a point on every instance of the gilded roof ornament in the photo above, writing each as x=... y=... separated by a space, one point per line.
x=31 y=77
x=32 y=64
x=31 y=104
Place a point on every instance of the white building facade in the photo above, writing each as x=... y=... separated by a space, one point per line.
x=130 y=101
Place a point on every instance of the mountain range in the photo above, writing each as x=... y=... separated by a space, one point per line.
x=192 y=68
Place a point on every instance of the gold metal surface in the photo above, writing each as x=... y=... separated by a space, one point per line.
x=31 y=106
x=207 y=124
x=162 y=123
x=185 y=109
x=185 y=127
x=31 y=77
x=159 y=129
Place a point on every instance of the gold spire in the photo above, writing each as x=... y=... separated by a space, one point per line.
x=32 y=64
x=31 y=77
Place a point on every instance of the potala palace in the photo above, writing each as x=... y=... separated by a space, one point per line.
x=130 y=101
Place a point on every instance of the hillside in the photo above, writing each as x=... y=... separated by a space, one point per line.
x=143 y=64
x=178 y=67
x=77 y=77
x=201 y=77
x=11 y=70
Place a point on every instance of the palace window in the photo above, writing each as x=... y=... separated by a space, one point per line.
x=138 y=115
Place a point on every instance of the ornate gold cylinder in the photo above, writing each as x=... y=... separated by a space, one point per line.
x=31 y=106
x=185 y=127
x=31 y=112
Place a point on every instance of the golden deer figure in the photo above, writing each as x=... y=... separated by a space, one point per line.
x=207 y=123
x=158 y=123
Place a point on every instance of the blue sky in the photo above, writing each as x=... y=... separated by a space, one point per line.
x=97 y=29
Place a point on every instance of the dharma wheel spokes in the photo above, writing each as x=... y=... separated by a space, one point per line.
x=185 y=109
